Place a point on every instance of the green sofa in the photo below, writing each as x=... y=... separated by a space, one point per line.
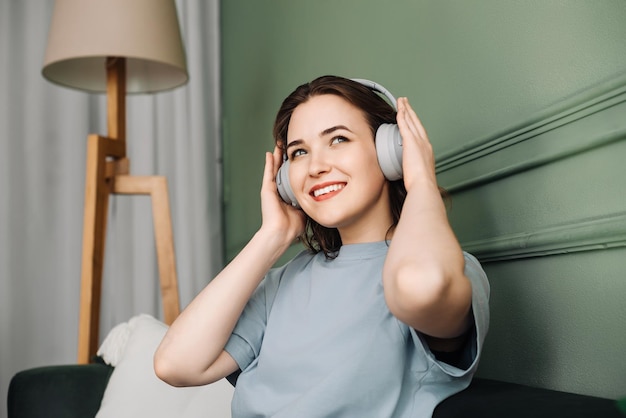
x=73 y=391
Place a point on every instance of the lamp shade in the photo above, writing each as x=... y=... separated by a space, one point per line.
x=84 y=33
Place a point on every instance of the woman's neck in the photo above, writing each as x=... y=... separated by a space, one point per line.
x=361 y=235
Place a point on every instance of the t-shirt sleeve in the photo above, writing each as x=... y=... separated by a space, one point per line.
x=470 y=355
x=480 y=308
x=245 y=341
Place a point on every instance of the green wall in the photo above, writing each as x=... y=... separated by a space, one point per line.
x=525 y=103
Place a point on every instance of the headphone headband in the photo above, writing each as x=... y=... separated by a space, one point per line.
x=378 y=88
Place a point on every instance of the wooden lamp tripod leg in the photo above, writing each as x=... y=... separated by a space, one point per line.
x=97 y=190
x=156 y=187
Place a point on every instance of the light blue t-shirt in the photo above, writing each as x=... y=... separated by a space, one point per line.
x=317 y=340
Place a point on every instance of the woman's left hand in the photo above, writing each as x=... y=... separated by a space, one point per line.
x=418 y=160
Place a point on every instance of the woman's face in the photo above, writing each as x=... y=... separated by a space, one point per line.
x=334 y=170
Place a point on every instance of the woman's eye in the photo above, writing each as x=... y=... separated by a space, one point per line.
x=338 y=139
x=297 y=153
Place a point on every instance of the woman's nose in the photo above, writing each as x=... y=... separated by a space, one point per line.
x=318 y=164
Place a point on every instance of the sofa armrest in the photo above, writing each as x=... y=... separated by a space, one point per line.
x=490 y=398
x=67 y=391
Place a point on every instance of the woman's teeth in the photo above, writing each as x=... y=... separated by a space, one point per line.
x=327 y=189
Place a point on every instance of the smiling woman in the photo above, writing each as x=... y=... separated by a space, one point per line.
x=382 y=290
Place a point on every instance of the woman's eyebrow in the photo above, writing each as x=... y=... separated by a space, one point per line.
x=333 y=129
x=294 y=143
x=325 y=132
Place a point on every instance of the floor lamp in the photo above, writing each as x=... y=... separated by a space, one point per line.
x=117 y=47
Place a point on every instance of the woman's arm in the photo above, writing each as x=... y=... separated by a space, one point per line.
x=425 y=286
x=192 y=351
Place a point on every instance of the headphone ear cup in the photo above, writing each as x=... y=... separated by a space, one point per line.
x=389 y=150
x=284 y=186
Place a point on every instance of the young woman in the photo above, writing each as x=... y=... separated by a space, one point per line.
x=383 y=315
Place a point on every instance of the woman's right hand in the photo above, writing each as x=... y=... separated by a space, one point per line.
x=278 y=217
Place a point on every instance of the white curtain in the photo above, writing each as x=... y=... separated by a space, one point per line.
x=43 y=132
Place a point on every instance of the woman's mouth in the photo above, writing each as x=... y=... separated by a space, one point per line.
x=326 y=190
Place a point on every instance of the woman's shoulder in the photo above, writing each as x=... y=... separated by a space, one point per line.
x=301 y=258
x=295 y=264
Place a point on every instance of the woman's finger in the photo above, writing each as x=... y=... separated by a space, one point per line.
x=268 y=172
x=415 y=120
x=404 y=120
x=278 y=159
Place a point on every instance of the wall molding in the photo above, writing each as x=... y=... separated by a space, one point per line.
x=592 y=119
x=581 y=235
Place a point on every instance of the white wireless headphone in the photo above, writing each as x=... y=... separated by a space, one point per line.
x=388 y=150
